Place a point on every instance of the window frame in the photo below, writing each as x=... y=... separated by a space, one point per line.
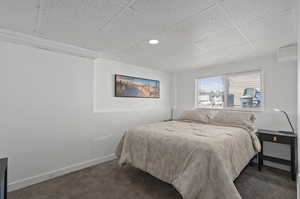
x=226 y=90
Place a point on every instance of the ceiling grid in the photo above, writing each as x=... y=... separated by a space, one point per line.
x=192 y=33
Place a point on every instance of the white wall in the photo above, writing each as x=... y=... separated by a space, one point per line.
x=280 y=84
x=47 y=123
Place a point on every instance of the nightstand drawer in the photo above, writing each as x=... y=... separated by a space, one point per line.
x=275 y=138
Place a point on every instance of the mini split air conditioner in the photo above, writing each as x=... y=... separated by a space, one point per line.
x=287 y=53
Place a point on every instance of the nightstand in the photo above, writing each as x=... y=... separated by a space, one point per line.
x=3 y=178
x=282 y=137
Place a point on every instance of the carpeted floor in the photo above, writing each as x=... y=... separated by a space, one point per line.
x=109 y=181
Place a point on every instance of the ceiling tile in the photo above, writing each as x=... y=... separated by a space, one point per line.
x=77 y=21
x=147 y=19
x=217 y=56
x=18 y=16
x=271 y=32
x=243 y=11
x=222 y=40
x=201 y=25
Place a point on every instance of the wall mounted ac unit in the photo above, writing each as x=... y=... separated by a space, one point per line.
x=287 y=53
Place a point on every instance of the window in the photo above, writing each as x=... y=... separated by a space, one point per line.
x=240 y=90
x=211 y=92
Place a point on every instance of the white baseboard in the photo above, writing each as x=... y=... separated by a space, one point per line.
x=59 y=172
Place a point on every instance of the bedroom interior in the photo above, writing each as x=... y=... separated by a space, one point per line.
x=146 y=99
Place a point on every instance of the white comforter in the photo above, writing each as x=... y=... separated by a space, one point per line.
x=200 y=160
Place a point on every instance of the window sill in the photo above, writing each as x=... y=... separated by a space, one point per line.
x=236 y=109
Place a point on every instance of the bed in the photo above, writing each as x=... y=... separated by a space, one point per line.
x=200 y=155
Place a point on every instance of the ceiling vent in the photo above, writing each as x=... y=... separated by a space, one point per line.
x=287 y=53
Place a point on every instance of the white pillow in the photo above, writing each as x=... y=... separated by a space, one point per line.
x=195 y=115
x=209 y=112
x=235 y=118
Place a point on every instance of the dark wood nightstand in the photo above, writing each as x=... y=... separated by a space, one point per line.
x=282 y=137
x=3 y=178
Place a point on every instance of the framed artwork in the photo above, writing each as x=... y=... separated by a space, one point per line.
x=127 y=86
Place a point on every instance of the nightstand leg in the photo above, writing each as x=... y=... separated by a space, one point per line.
x=293 y=171
x=258 y=161
x=260 y=156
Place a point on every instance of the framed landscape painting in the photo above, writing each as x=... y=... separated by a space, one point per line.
x=127 y=86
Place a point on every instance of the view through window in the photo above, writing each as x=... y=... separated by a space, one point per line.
x=211 y=92
x=241 y=90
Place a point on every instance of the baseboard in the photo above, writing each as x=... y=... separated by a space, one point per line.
x=59 y=172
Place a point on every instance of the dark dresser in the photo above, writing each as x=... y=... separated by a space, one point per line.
x=3 y=178
x=281 y=137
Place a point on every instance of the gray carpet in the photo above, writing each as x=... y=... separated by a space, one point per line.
x=109 y=181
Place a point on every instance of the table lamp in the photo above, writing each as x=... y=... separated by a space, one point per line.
x=278 y=110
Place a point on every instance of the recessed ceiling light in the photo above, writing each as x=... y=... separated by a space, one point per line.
x=153 y=41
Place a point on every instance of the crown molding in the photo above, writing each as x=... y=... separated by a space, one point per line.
x=45 y=44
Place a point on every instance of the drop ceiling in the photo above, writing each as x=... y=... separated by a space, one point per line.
x=192 y=33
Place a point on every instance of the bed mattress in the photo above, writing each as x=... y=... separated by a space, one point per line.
x=200 y=160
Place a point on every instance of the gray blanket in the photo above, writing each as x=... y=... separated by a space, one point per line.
x=200 y=160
